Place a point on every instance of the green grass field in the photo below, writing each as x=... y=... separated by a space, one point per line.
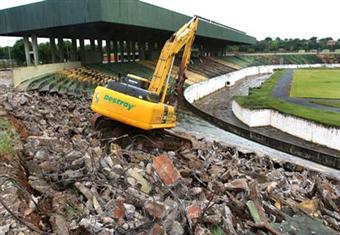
x=316 y=83
x=261 y=98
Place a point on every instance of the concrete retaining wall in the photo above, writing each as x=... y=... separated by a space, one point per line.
x=199 y=90
x=24 y=73
x=298 y=127
x=204 y=88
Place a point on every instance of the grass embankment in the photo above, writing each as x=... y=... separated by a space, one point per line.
x=261 y=98
x=316 y=83
x=7 y=134
x=329 y=103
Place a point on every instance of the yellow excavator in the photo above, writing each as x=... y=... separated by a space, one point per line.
x=144 y=104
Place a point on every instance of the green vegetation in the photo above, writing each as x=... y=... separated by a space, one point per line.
x=329 y=103
x=216 y=231
x=71 y=211
x=316 y=83
x=289 y=45
x=6 y=136
x=261 y=98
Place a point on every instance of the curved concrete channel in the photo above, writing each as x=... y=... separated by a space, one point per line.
x=215 y=108
x=201 y=128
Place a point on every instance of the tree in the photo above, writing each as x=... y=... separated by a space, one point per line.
x=44 y=52
x=2 y=52
x=18 y=52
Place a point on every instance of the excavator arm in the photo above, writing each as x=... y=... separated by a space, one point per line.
x=184 y=37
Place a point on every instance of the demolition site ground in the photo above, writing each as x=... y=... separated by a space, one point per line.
x=59 y=175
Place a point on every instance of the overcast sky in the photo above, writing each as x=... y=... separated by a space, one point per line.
x=258 y=18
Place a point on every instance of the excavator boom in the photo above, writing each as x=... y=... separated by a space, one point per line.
x=183 y=37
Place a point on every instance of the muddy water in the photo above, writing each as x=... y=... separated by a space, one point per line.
x=197 y=126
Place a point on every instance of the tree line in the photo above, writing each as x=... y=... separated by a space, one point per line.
x=17 y=52
x=289 y=45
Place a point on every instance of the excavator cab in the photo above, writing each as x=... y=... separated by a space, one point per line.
x=141 y=103
x=136 y=81
x=133 y=88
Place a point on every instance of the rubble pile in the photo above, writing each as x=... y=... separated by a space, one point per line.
x=115 y=181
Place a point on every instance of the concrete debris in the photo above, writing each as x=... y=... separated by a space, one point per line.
x=118 y=180
x=4 y=229
x=59 y=224
x=176 y=229
x=202 y=231
x=237 y=185
x=157 y=230
x=194 y=212
x=165 y=170
x=155 y=209
x=119 y=209
x=137 y=178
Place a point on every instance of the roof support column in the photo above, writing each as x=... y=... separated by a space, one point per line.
x=108 y=50
x=82 y=49
x=115 y=50
x=121 y=48
x=128 y=50
x=27 y=50
x=61 y=49
x=209 y=50
x=160 y=45
x=220 y=52
x=92 y=44
x=141 y=50
x=152 y=45
x=74 y=50
x=53 y=49
x=119 y=51
x=100 y=48
x=203 y=50
x=35 y=49
x=133 y=51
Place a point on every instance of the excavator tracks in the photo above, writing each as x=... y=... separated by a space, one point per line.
x=113 y=131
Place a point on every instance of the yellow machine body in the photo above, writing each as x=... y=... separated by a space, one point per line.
x=132 y=111
x=137 y=106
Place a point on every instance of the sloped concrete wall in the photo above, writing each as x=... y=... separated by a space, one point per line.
x=301 y=128
x=199 y=90
x=24 y=73
x=298 y=127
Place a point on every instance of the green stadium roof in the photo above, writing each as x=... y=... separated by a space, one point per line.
x=107 y=19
